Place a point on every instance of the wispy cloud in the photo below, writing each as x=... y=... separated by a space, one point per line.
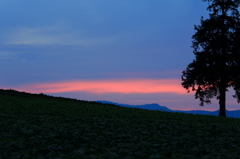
x=58 y=34
x=8 y=55
x=143 y=86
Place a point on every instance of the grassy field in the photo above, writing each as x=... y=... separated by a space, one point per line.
x=37 y=126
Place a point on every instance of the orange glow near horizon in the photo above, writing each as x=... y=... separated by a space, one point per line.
x=110 y=86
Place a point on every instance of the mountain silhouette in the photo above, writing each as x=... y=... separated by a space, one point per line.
x=146 y=106
x=154 y=106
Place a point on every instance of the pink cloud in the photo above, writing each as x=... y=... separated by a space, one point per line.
x=110 y=86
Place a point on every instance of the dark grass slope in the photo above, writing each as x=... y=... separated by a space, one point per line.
x=40 y=126
x=14 y=93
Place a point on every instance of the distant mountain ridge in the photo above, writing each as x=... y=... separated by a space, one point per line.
x=154 y=106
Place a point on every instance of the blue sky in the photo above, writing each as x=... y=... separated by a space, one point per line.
x=99 y=45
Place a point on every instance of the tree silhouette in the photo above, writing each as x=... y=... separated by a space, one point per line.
x=216 y=45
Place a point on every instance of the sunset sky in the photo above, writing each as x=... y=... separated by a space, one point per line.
x=124 y=51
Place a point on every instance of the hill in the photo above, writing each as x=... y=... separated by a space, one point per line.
x=154 y=106
x=40 y=126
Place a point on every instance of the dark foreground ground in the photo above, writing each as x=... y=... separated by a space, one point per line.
x=43 y=127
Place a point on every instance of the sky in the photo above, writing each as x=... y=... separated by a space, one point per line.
x=128 y=51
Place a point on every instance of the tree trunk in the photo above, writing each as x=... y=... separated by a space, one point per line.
x=222 y=87
x=222 y=99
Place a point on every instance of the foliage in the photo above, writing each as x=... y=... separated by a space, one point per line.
x=45 y=127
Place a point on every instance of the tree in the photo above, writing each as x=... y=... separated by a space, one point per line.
x=216 y=45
